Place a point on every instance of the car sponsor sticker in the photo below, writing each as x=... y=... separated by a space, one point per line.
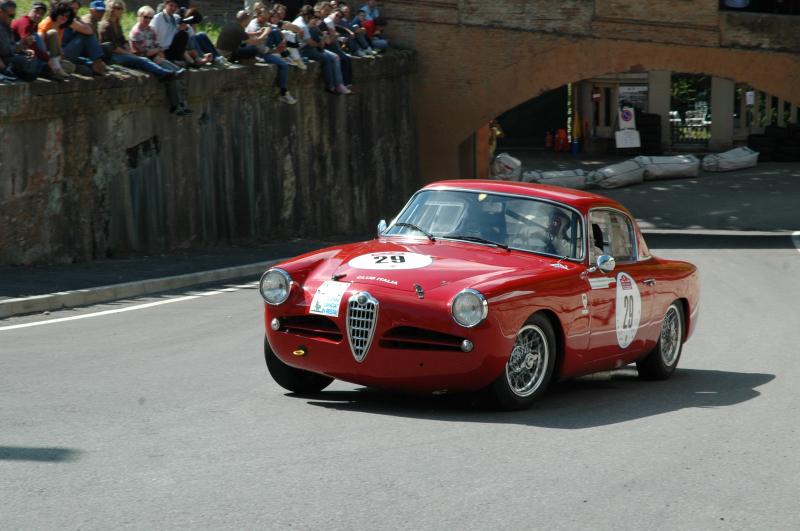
x=629 y=309
x=391 y=260
x=328 y=297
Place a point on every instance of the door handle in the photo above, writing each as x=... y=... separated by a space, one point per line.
x=649 y=281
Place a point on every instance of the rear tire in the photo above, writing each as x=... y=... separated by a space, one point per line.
x=291 y=379
x=661 y=362
x=529 y=368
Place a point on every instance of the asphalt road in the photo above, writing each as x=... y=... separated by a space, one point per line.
x=165 y=417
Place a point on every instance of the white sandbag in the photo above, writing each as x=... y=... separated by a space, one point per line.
x=506 y=167
x=531 y=176
x=735 y=159
x=669 y=167
x=617 y=175
x=566 y=178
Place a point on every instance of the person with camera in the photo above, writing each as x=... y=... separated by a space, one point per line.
x=171 y=31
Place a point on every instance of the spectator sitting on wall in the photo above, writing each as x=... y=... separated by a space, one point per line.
x=17 y=60
x=371 y=9
x=291 y=34
x=270 y=51
x=313 y=48
x=97 y=9
x=51 y=31
x=25 y=31
x=235 y=44
x=199 y=43
x=357 y=36
x=373 y=36
x=171 y=32
x=113 y=38
x=144 y=42
x=331 y=39
x=69 y=41
x=80 y=45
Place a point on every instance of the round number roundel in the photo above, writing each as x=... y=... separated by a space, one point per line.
x=390 y=260
x=629 y=309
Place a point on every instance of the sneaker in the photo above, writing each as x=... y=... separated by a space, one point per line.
x=288 y=99
x=294 y=53
x=222 y=62
x=341 y=89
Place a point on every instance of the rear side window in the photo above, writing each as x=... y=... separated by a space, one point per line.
x=612 y=234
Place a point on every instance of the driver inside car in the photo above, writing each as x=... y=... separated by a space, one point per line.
x=558 y=242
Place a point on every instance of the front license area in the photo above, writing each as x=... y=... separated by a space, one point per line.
x=328 y=298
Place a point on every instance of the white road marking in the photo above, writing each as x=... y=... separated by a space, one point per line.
x=128 y=308
x=796 y=240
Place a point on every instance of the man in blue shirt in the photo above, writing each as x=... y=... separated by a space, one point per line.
x=371 y=9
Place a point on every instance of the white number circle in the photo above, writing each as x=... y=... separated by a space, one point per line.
x=629 y=309
x=390 y=260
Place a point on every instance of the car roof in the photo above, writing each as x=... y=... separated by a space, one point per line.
x=575 y=198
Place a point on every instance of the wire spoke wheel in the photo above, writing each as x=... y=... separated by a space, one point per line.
x=527 y=365
x=671 y=334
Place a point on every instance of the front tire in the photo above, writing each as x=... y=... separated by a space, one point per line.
x=291 y=379
x=530 y=366
x=661 y=362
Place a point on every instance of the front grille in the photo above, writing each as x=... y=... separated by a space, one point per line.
x=362 y=317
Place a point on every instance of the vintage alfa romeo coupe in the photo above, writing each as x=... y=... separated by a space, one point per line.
x=481 y=284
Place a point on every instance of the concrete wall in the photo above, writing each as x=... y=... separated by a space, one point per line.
x=98 y=168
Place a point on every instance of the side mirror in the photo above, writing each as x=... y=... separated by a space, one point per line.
x=381 y=226
x=606 y=263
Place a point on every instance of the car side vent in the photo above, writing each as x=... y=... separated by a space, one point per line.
x=312 y=326
x=411 y=337
x=362 y=318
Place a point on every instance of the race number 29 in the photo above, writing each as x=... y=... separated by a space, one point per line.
x=628 y=309
x=394 y=259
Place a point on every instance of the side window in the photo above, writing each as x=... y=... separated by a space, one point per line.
x=611 y=233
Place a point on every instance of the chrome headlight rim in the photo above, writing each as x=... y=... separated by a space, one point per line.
x=483 y=302
x=286 y=278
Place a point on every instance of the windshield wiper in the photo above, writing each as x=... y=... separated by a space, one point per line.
x=478 y=239
x=412 y=226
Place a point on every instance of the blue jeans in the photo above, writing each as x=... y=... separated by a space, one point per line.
x=75 y=45
x=283 y=69
x=345 y=63
x=325 y=62
x=379 y=43
x=202 y=44
x=140 y=63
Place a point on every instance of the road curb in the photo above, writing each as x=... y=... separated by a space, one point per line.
x=100 y=294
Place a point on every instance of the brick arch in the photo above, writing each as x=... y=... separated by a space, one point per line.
x=775 y=74
x=479 y=73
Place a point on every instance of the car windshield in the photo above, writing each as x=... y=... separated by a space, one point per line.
x=527 y=224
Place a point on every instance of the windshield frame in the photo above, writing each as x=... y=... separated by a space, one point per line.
x=581 y=217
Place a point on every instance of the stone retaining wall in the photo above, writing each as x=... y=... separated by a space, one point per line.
x=97 y=167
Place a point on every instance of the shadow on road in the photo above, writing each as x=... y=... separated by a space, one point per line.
x=27 y=453
x=718 y=241
x=576 y=404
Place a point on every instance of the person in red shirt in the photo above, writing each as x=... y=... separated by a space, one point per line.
x=25 y=29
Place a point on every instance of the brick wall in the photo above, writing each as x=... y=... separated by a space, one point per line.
x=754 y=30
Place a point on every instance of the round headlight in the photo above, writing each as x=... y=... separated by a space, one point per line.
x=469 y=308
x=274 y=286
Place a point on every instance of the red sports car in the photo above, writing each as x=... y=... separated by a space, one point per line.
x=479 y=284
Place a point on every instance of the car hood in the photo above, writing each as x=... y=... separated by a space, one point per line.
x=398 y=263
